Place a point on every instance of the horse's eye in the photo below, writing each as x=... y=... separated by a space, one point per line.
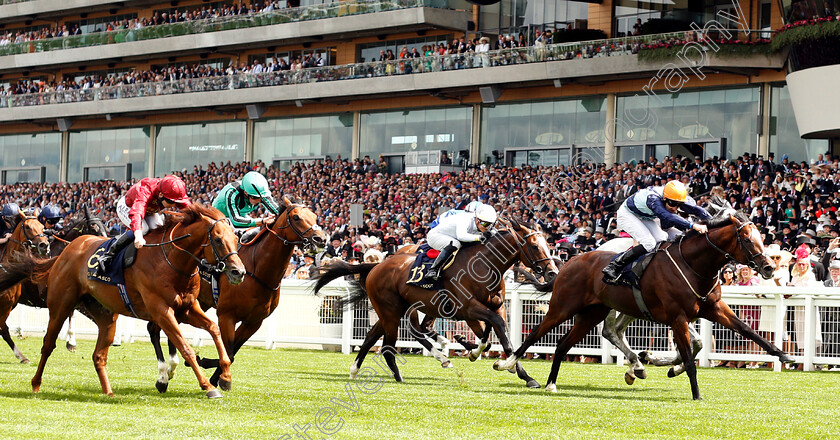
x=217 y=239
x=296 y=217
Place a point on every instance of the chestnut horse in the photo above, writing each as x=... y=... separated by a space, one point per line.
x=27 y=236
x=35 y=296
x=680 y=285
x=161 y=286
x=249 y=303
x=471 y=288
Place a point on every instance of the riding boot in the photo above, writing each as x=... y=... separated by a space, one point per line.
x=613 y=270
x=105 y=259
x=437 y=266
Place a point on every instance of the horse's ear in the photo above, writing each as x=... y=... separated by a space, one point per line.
x=286 y=200
x=22 y=215
x=735 y=220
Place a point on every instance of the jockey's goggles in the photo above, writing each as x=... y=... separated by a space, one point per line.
x=171 y=202
x=485 y=224
x=673 y=203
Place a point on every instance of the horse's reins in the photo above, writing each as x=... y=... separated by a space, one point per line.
x=220 y=260
x=524 y=247
x=29 y=240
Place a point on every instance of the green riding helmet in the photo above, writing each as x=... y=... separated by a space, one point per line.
x=255 y=185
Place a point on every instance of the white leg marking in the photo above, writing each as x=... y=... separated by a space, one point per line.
x=508 y=364
x=173 y=362
x=551 y=388
x=163 y=369
x=18 y=354
x=443 y=343
x=476 y=353
x=354 y=370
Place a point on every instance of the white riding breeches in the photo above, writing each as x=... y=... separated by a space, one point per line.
x=646 y=232
x=439 y=241
x=150 y=222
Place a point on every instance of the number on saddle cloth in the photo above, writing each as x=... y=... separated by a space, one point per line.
x=115 y=273
x=425 y=257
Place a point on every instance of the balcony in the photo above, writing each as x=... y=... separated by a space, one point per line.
x=317 y=23
x=589 y=62
x=17 y=10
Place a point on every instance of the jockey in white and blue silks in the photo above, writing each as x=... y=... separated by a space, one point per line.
x=638 y=214
x=471 y=207
x=456 y=228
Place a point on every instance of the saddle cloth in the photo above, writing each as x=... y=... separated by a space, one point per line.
x=631 y=275
x=115 y=273
x=425 y=257
x=213 y=280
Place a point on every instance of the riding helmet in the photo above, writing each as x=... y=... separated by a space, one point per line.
x=486 y=213
x=173 y=188
x=10 y=210
x=255 y=185
x=675 y=190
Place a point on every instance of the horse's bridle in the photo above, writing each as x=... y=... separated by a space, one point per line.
x=538 y=270
x=30 y=243
x=220 y=265
x=729 y=257
x=305 y=242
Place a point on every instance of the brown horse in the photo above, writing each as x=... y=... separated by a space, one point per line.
x=27 y=236
x=471 y=288
x=679 y=286
x=36 y=296
x=161 y=286
x=249 y=303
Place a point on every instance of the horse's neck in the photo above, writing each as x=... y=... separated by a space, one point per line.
x=500 y=252
x=703 y=258
x=192 y=245
x=274 y=257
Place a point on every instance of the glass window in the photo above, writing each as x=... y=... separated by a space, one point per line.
x=22 y=155
x=304 y=137
x=784 y=133
x=179 y=147
x=106 y=152
x=422 y=130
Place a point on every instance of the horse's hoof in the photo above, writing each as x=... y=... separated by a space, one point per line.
x=446 y=364
x=472 y=357
x=224 y=385
x=110 y=394
x=71 y=347
x=551 y=388
x=671 y=372
x=498 y=366
x=644 y=357
x=532 y=384
x=161 y=386
x=629 y=378
x=214 y=380
x=214 y=394
x=24 y=361
x=399 y=379
x=786 y=358
x=353 y=371
x=640 y=373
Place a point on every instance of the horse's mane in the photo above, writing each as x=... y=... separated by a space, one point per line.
x=516 y=223
x=192 y=214
x=720 y=220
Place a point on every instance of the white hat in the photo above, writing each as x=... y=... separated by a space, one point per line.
x=835 y=264
x=775 y=250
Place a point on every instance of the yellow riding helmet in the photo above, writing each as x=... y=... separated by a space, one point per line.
x=675 y=190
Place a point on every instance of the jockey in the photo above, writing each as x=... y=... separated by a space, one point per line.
x=49 y=217
x=140 y=210
x=459 y=227
x=238 y=199
x=8 y=221
x=471 y=207
x=636 y=217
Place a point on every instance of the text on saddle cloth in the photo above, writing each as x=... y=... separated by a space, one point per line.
x=425 y=257
x=115 y=273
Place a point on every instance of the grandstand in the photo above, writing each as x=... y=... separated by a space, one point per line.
x=95 y=89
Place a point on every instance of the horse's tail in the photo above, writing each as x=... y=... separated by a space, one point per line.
x=338 y=269
x=532 y=280
x=23 y=266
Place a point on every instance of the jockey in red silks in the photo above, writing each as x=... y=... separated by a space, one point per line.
x=140 y=209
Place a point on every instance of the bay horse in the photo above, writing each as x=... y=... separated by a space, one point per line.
x=28 y=236
x=161 y=286
x=265 y=258
x=679 y=286
x=35 y=296
x=471 y=288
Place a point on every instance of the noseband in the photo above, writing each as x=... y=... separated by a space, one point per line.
x=30 y=241
x=220 y=265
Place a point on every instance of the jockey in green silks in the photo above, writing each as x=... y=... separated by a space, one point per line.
x=238 y=199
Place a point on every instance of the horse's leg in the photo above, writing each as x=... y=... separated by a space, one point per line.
x=696 y=345
x=555 y=316
x=585 y=321
x=497 y=322
x=163 y=368
x=71 y=335
x=167 y=322
x=8 y=300
x=106 y=322
x=723 y=315
x=389 y=344
x=7 y=336
x=196 y=318
x=428 y=325
x=683 y=340
x=483 y=333
x=613 y=331
x=373 y=335
x=60 y=308
x=423 y=338
x=241 y=336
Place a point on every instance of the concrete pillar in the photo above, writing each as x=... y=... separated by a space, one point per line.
x=475 y=145
x=357 y=134
x=764 y=136
x=150 y=159
x=64 y=156
x=249 y=140
x=609 y=132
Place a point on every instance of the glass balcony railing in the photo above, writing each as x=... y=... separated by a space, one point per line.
x=378 y=69
x=11 y=2
x=279 y=16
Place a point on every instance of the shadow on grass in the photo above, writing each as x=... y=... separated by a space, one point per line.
x=94 y=394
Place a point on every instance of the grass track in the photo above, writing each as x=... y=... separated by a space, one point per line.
x=275 y=389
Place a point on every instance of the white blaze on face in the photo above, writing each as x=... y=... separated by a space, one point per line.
x=543 y=244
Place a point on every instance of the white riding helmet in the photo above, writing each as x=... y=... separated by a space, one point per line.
x=472 y=206
x=486 y=214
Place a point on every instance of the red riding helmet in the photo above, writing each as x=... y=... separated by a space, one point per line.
x=173 y=188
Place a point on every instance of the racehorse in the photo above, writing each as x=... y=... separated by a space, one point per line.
x=250 y=302
x=27 y=236
x=679 y=286
x=160 y=286
x=35 y=296
x=471 y=288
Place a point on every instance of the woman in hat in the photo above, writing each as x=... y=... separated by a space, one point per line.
x=749 y=314
x=802 y=275
x=781 y=277
x=723 y=338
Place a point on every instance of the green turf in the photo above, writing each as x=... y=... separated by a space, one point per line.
x=275 y=389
